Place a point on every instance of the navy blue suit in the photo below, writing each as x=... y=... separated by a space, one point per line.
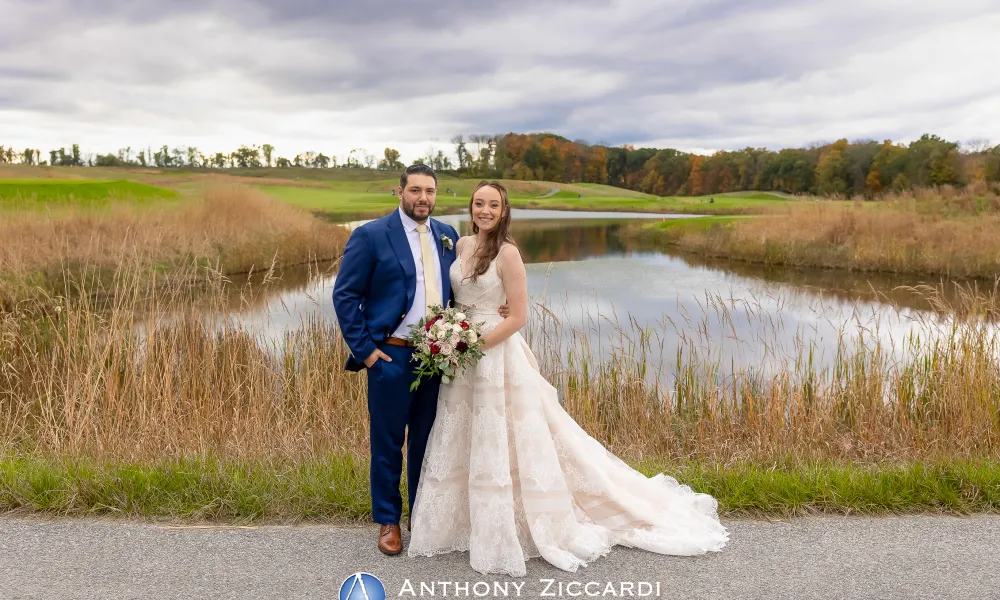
x=372 y=295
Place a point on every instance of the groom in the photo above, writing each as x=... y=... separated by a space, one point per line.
x=393 y=270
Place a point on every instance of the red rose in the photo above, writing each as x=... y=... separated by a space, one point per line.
x=464 y=324
x=461 y=346
x=431 y=322
x=435 y=348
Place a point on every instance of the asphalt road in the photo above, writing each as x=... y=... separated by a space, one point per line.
x=828 y=557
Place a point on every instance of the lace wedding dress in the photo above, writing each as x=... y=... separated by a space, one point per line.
x=508 y=475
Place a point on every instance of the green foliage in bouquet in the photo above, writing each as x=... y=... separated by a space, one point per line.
x=446 y=342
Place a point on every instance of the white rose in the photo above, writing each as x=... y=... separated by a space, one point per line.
x=446 y=349
x=456 y=328
x=473 y=337
x=459 y=316
x=454 y=339
x=442 y=334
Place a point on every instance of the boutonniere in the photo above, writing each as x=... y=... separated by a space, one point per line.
x=446 y=242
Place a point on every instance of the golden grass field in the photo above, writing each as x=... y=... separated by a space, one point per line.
x=118 y=396
x=919 y=233
x=232 y=229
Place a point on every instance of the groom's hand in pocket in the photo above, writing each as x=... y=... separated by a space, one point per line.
x=370 y=361
x=504 y=311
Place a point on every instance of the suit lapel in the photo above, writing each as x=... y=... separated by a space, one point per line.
x=445 y=258
x=436 y=233
x=401 y=247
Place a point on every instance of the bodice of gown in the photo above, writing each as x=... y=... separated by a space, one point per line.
x=481 y=298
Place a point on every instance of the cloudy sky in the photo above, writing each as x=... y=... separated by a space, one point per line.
x=328 y=76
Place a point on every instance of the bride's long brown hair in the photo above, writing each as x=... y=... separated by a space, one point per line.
x=497 y=236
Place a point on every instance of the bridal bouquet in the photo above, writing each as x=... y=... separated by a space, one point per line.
x=445 y=342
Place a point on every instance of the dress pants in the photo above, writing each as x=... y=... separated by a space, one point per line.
x=392 y=408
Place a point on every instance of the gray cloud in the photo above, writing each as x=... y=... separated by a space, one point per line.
x=709 y=74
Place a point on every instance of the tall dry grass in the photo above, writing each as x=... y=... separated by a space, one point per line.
x=230 y=228
x=933 y=395
x=150 y=375
x=941 y=232
x=150 y=380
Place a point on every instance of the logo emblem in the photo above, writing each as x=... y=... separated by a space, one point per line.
x=362 y=586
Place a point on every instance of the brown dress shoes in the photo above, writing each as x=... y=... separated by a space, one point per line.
x=390 y=540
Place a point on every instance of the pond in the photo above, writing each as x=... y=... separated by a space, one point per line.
x=592 y=282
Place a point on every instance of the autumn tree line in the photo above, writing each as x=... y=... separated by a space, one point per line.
x=860 y=168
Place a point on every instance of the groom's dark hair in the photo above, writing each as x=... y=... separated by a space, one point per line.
x=416 y=170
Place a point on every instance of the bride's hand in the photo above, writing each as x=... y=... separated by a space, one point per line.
x=504 y=311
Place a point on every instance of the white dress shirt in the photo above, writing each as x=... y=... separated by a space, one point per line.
x=416 y=310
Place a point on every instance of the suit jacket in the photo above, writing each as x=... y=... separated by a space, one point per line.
x=377 y=281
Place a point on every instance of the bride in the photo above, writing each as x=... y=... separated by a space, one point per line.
x=508 y=475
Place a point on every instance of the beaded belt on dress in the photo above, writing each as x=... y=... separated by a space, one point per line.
x=477 y=311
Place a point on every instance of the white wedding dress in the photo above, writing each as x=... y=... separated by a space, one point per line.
x=508 y=475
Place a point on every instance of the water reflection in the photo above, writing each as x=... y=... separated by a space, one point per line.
x=909 y=291
x=725 y=319
x=587 y=271
x=550 y=235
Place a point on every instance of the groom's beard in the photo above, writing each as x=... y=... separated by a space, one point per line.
x=410 y=212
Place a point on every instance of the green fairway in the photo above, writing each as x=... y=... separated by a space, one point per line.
x=564 y=194
x=38 y=193
x=722 y=205
x=347 y=200
x=598 y=190
x=362 y=193
x=700 y=223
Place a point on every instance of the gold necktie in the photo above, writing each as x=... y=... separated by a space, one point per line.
x=432 y=295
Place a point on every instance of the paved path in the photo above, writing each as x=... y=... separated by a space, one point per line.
x=830 y=557
x=549 y=194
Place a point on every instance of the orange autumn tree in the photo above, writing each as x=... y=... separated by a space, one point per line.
x=597 y=166
x=873 y=182
x=695 y=176
x=571 y=156
x=551 y=160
